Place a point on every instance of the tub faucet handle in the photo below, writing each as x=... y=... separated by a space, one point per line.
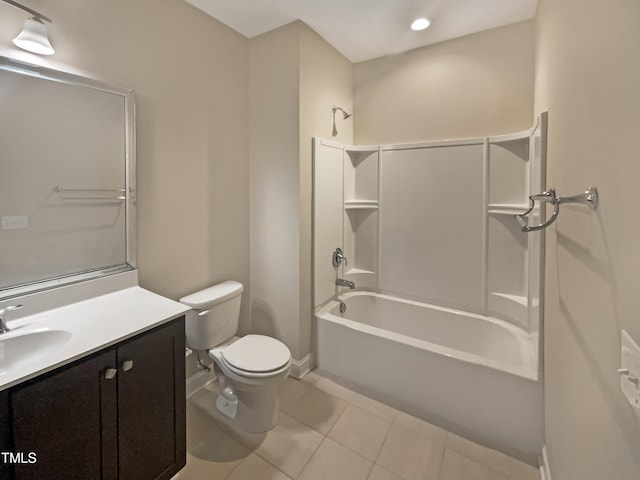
x=341 y=282
x=338 y=257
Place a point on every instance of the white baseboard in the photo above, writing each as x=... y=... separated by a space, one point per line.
x=200 y=380
x=299 y=368
x=545 y=470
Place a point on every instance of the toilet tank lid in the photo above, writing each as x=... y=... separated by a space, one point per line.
x=213 y=295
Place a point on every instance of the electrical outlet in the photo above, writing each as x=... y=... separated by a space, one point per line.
x=630 y=371
x=15 y=222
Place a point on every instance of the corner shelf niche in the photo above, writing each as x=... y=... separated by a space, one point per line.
x=509 y=171
x=509 y=167
x=360 y=237
x=513 y=307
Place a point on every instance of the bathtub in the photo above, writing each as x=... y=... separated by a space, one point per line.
x=471 y=374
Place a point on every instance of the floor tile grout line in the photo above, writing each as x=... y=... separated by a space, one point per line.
x=444 y=449
x=332 y=425
x=309 y=459
x=373 y=465
x=351 y=449
x=312 y=454
x=337 y=420
x=384 y=440
x=482 y=464
x=335 y=396
x=234 y=468
x=386 y=436
x=375 y=461
x=391 y=420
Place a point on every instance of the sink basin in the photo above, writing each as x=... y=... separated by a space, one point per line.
x=22 y=347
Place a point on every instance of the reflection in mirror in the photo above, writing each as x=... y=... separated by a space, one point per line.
x=67 y=183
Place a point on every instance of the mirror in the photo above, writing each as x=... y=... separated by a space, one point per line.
x=67 y=178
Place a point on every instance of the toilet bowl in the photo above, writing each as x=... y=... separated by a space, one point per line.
x=249 y=368
x=249 y=371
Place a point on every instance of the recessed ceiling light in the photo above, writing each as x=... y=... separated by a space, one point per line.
x=420 y=24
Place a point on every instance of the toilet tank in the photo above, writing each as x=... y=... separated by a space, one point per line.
x=214 y=316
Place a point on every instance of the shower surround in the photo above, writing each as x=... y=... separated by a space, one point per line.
x=445 y=319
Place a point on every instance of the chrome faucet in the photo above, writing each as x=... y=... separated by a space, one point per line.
x=345 y=283
x=3 y=322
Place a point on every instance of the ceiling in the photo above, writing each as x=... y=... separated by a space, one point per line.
x=365 y=29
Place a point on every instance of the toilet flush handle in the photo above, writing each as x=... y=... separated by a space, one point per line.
x=203 y=313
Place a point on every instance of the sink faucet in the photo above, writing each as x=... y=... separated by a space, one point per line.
x=3 y=322
x=345 y=283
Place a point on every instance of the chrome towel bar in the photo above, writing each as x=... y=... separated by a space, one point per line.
x=588 y=198
x=90 y=193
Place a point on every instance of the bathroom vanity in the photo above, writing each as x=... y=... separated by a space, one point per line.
x=92 y=380
x=108 y=403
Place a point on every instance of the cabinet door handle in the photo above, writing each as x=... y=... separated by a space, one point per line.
x=110 y=373
x=127 y=365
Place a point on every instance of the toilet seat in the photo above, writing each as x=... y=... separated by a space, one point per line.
x=253 y=375
x=255 y=356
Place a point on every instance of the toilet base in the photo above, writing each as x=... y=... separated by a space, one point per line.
x=251 y=412
x=252 y=408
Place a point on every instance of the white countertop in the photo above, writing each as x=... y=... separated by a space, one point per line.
x=94 y=324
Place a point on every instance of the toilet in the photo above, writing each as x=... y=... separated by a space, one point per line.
x=249 y=368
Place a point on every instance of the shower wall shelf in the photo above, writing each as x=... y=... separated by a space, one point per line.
x=360 y=227
x=364 y=205
x=357 y=149
x=514 y=169
x=359 y=271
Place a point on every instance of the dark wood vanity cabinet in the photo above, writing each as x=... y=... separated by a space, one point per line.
x=118 y=414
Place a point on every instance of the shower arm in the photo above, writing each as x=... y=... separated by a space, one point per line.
x=345 y=115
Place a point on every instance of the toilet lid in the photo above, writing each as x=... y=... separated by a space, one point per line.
x=257 y=353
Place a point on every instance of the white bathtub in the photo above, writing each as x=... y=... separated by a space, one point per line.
x=471 y=374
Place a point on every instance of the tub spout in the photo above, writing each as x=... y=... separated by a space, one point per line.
x=345 y=283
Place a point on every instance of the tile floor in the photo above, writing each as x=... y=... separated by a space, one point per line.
x=328 y=432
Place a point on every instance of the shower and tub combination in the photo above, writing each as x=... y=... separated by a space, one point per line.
x=445 y=320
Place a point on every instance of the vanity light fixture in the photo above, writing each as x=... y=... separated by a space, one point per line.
x=420 y=24
x=33 y=37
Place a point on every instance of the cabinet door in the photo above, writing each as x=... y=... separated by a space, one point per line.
x=6 y=472
x=68 y=419
x=151 y=404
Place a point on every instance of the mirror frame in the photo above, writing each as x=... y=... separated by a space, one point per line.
x=59 y=76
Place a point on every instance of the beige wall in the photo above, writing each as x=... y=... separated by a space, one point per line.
x=190 y=74
x=275 y=190
x=587 y=76
x=326 y=79
x=478 y=85
x=295 y=79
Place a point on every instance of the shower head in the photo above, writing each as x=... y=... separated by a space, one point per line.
x=345 y=115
